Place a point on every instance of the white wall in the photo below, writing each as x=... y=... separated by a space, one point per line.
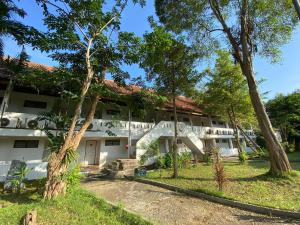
x=111 y=153
x=8 y=152
x=16 y=103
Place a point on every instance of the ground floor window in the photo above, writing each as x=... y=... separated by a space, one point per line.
x=112 y=142
x=26 y=144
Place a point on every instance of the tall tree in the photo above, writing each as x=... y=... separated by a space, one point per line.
x=171 y=65
x=226 y=94
x=284 y=112
x=249 y=27
x=79 y=36
x=9 y=26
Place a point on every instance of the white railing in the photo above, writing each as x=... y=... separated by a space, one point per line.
x=22 y=120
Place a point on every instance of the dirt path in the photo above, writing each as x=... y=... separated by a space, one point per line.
x=167 y=207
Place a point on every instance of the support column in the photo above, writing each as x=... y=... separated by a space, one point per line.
x=230 y=144
x=211 y=125
x=167 y=145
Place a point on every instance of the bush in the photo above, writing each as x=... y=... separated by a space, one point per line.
x=168 y=160
x=184 y=159
x=73 y=176
x=207 y=158
x=243 y=156
x=152 y=150
x=289 y=148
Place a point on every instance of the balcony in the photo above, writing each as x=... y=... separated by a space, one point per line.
x=27 y=125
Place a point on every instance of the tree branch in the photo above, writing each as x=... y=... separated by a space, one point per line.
x=68 y=14
x=216 y=10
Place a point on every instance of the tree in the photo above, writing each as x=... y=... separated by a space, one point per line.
x=79 y=38
x=226 y=94
x=9 y=26
x=171 y=65
x=297 y=7
x=249 y=27
x=284 y=112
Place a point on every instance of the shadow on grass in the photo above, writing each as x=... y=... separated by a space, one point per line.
x=27 y=197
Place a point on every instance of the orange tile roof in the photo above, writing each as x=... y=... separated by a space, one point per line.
x=182 y=103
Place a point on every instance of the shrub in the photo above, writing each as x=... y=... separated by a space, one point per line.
x=243 y=156
x=160 y=162
x=184 y=159
x=289 y=148
x=168 y=160
x=73 y=176
x=207 y=158
x=151 y=150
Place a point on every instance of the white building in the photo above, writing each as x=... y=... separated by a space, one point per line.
x=19 y=140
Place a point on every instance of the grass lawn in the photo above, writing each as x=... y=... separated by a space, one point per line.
x=77 y=207
x=247 y=183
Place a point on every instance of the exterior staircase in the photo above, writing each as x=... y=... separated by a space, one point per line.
x=166 y=129
x=122 y=167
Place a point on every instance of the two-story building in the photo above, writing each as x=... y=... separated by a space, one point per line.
x=21 y=139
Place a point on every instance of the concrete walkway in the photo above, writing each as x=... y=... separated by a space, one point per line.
x=167 y=207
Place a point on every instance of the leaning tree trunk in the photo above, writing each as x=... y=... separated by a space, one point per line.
x=56 y=168
x=242 y=53
x=54 y=184
x=175 y=148
x=278 y=159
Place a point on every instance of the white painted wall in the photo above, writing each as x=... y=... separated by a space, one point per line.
x=8 y=152
x=16 y=103
x=111 y=153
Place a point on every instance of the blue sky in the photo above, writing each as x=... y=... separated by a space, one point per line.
x=283 y=77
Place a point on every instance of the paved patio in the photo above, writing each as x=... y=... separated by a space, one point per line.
x=167 y=207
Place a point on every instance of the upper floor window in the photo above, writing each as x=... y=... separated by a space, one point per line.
x=221 y=123
x=26 y=144
x=224 y=141
x=35 y=104
x=112 y=142
x=214 y=122
x=217 y=141
x=185 y=119
x=113 y=112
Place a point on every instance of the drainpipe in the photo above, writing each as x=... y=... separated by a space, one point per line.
x=6 y=97
x=297 y=7
x=129 y=133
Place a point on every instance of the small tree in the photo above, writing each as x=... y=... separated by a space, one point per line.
x=219 y=171
x=226 y=94
x=171 y=65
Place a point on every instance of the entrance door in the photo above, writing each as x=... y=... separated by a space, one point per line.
x=90 y=152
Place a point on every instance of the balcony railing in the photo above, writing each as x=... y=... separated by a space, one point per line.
x=29 y=121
